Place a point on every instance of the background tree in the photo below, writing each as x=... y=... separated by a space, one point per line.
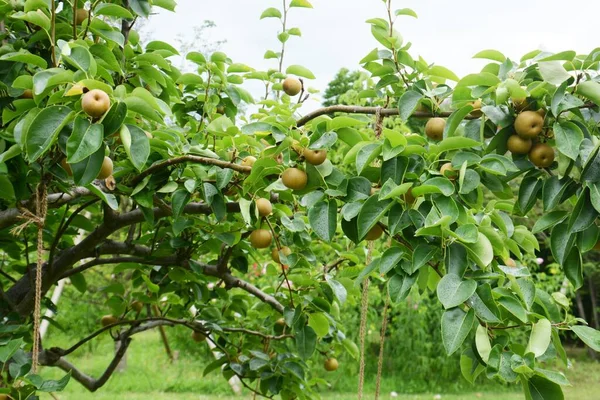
x=338 y=88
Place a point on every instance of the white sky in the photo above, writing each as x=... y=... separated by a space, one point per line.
x=335 y=35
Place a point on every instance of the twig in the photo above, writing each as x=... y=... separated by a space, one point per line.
x=287 y=282
x=386 y=112
x=192 y=159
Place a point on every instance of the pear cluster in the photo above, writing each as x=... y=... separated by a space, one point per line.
x=528 y=126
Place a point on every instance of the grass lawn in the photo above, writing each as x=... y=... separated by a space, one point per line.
x=150 y=376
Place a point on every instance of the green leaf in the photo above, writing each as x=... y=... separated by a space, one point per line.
x=456 y=326
x=371 y=212
x=513 y=306
x=141 y=106
x=454 y=143
x=444 y=185
x=443 y=72
x=468 y=181
x=7 y=350
x=540 y=337
x=49 y=78
x=338 y=290
x=406 y=11
x=271 y=13
x=408 y=103
x=12 y=152
x=589 y=89
x=103 y=54
x=399 y=286
x=553 y=72
x=166 y=4
x=319 y=322
x=44 y=129
x=470 y=366
x=539 y=388
x=456 y=259
x=584 y=214
x=86 y=171
x=301 y=3
x=481 y=252
x=568 y=55
x=528 y=190
x=299 y=70
x=37 y=17
x=482 y=343
x=422 y=254
x=222 y=126
x=573 y=268
x=589 y=336
x=484 y=304
x=82 y=59
x=112 y=10
x=106 y=32
x=548 y=220
x=568 y=138
x=366 y=155
x=323 y=219
x=114 y=118
x=84 y=141
x=108 y=198
x=452 y=291
x=494 y=55
x=390 y=259
x=466 y=233
x=553 y=191
x=140 y=7
x=137 y=145
x=343 y=122
x=179 y=200
x=23 y=56
x=553 y=376
x=481 y=79
x=351 y=348
x=306 y=342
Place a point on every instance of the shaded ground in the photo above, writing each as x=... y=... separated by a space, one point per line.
x=150 y=377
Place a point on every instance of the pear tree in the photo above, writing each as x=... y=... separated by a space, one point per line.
x=113 y=159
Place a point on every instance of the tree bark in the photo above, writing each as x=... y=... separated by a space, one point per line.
x=594 y=301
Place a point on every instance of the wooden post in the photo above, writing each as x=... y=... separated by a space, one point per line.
x=163 y=335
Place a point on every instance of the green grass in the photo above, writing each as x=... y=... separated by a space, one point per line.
x=149 y=375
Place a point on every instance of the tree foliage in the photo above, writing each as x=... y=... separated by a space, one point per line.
x=177 y=221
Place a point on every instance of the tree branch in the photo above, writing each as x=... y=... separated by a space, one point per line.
x=192 y=159
x=21 y=292
x=232 y=281
x=384 y=112
x=55 y=200
x=116 y=260
x=48 y=358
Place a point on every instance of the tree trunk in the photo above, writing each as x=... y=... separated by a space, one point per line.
x=594 y=301
x=581 y=309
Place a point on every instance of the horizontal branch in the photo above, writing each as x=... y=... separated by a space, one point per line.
x=117 y=260
x=21 y=293
x=386 y=112
x=232 y=281
x=49 y=358
x=191 y=159
x=55 y=200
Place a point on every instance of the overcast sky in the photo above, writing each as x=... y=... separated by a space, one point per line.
x=335 y=35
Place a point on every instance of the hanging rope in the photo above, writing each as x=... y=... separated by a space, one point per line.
x=382 y=345
x=41 y=209
x=364 y=309
x=378 y=123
